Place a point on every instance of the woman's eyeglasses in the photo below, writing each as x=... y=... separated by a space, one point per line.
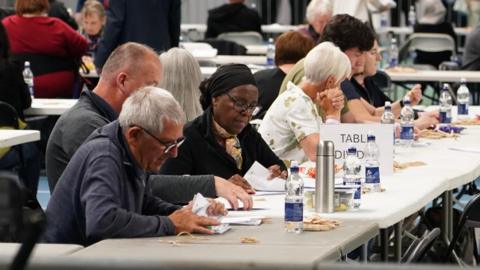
x=168 y=145
x=241 y=106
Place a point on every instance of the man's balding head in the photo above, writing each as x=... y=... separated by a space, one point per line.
x=130 y=67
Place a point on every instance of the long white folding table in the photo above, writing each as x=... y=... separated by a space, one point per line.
x=40 y=250
x=11 y=137
x=268 y=28
x=275 y=247
x=434 y=75
x=406 y=30
x=49 y=106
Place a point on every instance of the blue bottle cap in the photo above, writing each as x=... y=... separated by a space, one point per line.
x=352 y=150
x=370 y=137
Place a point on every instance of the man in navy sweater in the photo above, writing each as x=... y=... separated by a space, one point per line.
x=104 y=192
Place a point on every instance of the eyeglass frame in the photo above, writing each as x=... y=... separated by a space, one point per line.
x=242 y=106
x=168 y=146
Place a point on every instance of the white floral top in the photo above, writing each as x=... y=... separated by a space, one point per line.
x=290 y=118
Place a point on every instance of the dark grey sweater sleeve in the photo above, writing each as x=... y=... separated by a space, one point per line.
x=105 y=216
x=180 y=189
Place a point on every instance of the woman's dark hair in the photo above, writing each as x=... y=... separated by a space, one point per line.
x=348 y=32
x=4 y=48
x=205 y=98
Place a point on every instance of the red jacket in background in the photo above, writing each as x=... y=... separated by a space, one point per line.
x=49 y=37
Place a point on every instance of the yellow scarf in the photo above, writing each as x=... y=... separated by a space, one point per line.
x=232 y=144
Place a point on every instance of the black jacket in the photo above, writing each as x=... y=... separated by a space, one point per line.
x=201 y=153
x=155 y=23
x=58 y=10
x=232 y=18
x=13 y=89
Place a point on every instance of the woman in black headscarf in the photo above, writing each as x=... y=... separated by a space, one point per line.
x=221 y=141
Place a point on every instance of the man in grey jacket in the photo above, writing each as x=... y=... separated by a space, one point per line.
x=103 y=193
x=130 y=67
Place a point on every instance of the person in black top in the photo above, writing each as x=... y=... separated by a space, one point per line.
x=221 y=141
x=58 y=10
x=290 y=47
x=431 y=19
x=232 y=17
x=24 y=157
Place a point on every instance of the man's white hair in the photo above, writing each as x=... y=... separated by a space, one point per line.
x=326 y=60
x=148 y=108
x=318 y=7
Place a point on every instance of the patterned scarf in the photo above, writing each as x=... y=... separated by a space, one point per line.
x=232 y=144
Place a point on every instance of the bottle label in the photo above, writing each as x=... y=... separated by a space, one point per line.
x=294 y=211
x=358 y=192
x=462 y=109
x=406 y=133
x=372 y=175
x=270 y=61
x=393 y=62
x=445 y=117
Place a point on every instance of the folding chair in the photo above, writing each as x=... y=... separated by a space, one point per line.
x=427 y=42
x=420 y=246
x=242 y=38
x=469 y=219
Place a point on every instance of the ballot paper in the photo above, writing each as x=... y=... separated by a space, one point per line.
x=199 y=207
x=258 y=176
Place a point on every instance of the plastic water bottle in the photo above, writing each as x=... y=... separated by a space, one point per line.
x=406 y=124
x=412 y=16
x=294 y=201
x=351 y=177
x=270 y=53
x=393 y=53
x=372 y=165
x=28 y=78
x=388 y=117
x=384 y=19
x=463 y=99
x=445 y=105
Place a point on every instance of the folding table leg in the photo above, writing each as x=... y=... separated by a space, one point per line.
x=384 y=245
x=398 y=241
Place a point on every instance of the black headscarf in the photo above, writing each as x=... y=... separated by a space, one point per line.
x=223 y=80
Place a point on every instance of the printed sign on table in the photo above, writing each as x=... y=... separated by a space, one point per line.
x=345 y=135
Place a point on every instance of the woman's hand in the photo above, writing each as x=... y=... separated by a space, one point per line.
x=331 y=101
x=276 y=171
x=241 y=182
x=415 y=94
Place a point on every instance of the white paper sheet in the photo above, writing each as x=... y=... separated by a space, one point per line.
x=258 y=175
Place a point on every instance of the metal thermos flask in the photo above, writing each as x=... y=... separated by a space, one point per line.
x=325 y=177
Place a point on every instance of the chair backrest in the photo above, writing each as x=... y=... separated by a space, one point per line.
x=10 y=207
x=242 y=38
x=421 y=247
x=8 y=115
x=427 y=42
x=470 y=218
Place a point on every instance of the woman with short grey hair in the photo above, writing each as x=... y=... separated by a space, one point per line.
x=291 y=125
x=147 y=106
x=182 y=76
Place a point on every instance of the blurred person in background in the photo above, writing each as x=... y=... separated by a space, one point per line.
x=234 y=16
x=318 y=13
x=58 y=10
x=290 y=47
x=176 y=64
x=93 y=21
x=151 y=22
x=54 y=50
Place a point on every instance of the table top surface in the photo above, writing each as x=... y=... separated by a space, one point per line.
x=40 y=250
x=11 y=137
x=49 y=106
x=273 y=242
x=435 y=75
